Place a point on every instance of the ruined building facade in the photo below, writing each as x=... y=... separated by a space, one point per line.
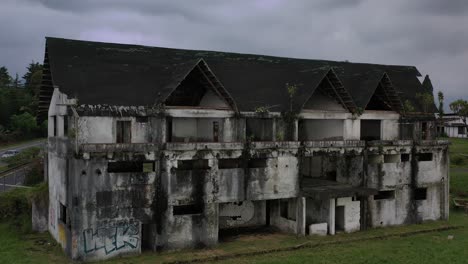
x=155 y=148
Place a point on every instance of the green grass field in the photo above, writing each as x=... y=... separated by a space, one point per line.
x=381 y=245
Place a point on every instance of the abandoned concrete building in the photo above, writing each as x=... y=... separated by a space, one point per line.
x=157 y=148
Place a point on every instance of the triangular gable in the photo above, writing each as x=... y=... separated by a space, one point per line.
x=200 y=87
x=385 y=97
x=330 y=94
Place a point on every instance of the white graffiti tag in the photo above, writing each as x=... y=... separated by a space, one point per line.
x=112 y=238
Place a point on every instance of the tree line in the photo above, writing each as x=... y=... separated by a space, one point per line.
x=19 y=99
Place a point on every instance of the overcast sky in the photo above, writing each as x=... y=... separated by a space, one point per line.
x=430 y=34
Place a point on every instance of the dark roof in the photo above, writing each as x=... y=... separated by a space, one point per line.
x=121 y=74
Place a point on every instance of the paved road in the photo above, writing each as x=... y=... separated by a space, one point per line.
x=21 y=147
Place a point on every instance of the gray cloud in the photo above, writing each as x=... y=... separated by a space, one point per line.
x=438 y=7
x=426 y=34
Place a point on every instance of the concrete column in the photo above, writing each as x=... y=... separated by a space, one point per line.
x=60 y=126
x=274 y=129
x=301 y=216
x=50 y=126
x=296 y=130
x=331 y=217
x=227 y=131
x=351 y=129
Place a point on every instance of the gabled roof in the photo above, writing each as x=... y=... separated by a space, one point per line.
x=120 y=74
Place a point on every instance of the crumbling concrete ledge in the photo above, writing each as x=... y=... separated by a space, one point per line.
x=314 y=244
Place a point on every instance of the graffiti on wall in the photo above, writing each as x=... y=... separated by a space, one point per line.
x=111 y=238
x=52 y=216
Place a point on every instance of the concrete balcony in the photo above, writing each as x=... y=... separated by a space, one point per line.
x=389 y=143
x=335 y=144
x=180 y=146
x=118 y=147
x=433 y=143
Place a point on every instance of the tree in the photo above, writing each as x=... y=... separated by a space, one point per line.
x=440 y=97
x=31 y=80
x=32 y=83
x=460 y=108
x=5 y=78
x=426 y=100
x=24 y=123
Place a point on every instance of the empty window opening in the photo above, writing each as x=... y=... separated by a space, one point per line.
x=65 y=126
x=141 y=119
x=288 y=209
x=370 y=130
x=259 y=129
x=320 y=129
x=55 y=126
x=406 y=131
x=424 y=156
x=146 y=232
x=392 y=158
x=384 y=195
x=188 y=209
x=123 y=129
x=215 y=131
x=331 y=175
x=423 y=130
x=461 y=130
x=257 y=163
x=124 y=166
x=200 y=164
x=169 y=129
x=63 y=214
x=196 y=130
x=229 y=163
x=339 y=218
x=405 y=157
x=420 y=193
x=375 y=159
x=149 y=166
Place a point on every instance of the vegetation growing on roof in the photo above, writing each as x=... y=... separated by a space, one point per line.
x=426 y=100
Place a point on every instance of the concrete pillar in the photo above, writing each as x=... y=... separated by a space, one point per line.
x=228 y=130
x=301 y=216
x=50 y=126
x=331 y=217
x=274 y=130
x=296 y=130
x=61 y=126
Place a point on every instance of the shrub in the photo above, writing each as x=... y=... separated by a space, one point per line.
x=36 y=174
x=15 y=207
x=458 y=160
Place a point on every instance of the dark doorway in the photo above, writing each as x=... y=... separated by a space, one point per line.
x=339 y=218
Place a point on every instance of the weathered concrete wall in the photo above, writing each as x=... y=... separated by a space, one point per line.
x=242 y=214
x=40 y=215
x=112 y=213
x=352 y=213
x=102 y=129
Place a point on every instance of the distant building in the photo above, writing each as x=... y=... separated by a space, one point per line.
x=453 y=126
x=157 y=148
